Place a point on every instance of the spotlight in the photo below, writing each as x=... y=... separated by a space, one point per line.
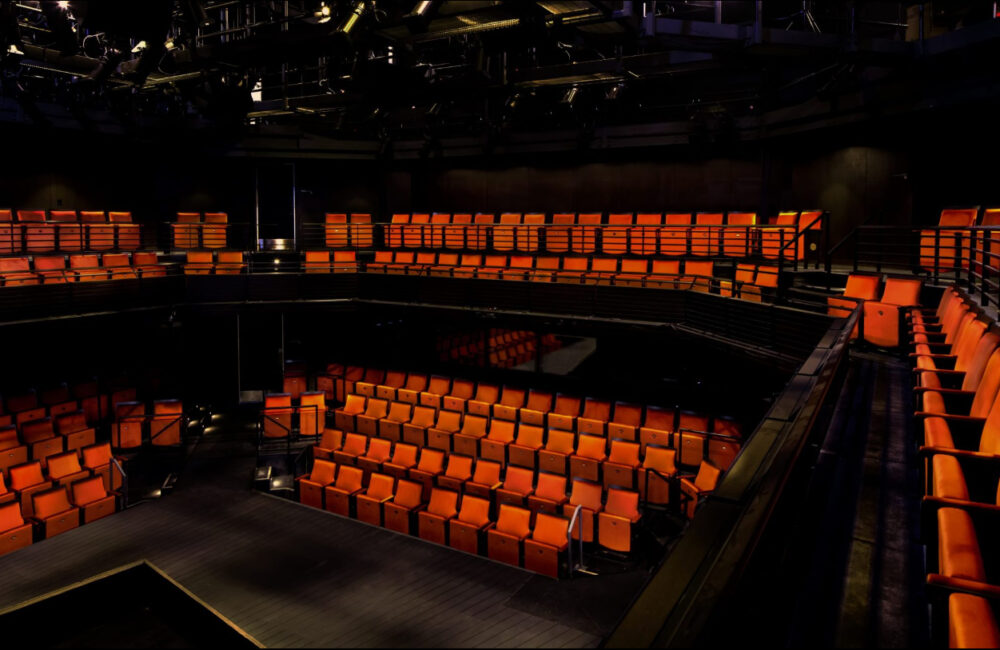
x=63 y=5
x=434 y=110
x=324 y=14
x=418 y=19
x=353 y=18
x=614 y=91
x=139 y=47
x=570 y=96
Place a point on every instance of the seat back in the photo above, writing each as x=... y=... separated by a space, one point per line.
x=487 y=472
x=560 y=441
x=380 y=486
x=550 y=530
x=50 y=502
x=708 y=476
x=431 y=460
x=529 y=435
x=586 y=494
x=443 y=503
x=323 y=472
x=448 y=420
x=408 y=494
x=551 y=486
x=349 y=478
x=518 y=479
x=404 y=454
x=423 y=416
x=459 y=466
x=627 y=414
x=623 y=503
x=10 y=516
x=624 y=452
x=540 y=401
x=474 y=511
x=902 y=292
x=514 y=521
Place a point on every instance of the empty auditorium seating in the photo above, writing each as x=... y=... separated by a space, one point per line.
x=939 y=249
x=693 y=490
x=883 y=319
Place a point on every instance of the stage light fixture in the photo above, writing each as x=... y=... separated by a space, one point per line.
x=353 y=18
x=570 y=96
x=139 y=47
x=324 y=14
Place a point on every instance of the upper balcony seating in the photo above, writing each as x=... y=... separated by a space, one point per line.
x=194 y=230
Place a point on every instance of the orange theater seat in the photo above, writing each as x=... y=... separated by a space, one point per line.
x=25 y=480
x=369 y=505
x=148 y=265
x=590 y=454
x=40 y=437
x=14 y=532
x=523 y=450
x=883 y=320
x=379 y=451
x=433 y=523
x=971 y=622
x=344 y=417
x=166 y=422
x=940 y=248
x=312 y=413
x=336 y=230
x=93 y=499
x=129 y=234
x=456 y=473
x=518 y=485
x=693 y=491
x=444 y=434
x=65 y=468
x=10 y=233
x=614 y=524
x=404 y=422
x=53 y=513
x=583 y=236
x=199 y=263
x=230 y=263
x=51 y=269
x=738 y=238
x=504 y=541
x=704 y=237
x=69 y=233
x=213 y=230
x=311 y=485
x=549 y=495
x=355 y=446
x=98 y=459
x=485 y=480
x=404 y=458
x=656 y=475
x=362 y=230
x=430 y=466
x=12 y=452
x=16 y=271
x=399 y=513
x=317 y=262
x=277 y=415
x=39 y=236
x=339 y=497
x=465 y=532
x=549 y=540
x=97 y=234
x=367 y=422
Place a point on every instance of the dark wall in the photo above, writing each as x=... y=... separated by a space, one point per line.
x=885 y=173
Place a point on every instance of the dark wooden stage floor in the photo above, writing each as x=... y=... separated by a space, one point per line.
x=289 y=575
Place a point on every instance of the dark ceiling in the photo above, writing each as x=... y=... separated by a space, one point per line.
x=431 y=72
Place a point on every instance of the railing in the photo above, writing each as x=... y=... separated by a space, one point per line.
x=967 y=256
x=704 y=582
x=577 y=520
x=117 y=466
x=784 y=245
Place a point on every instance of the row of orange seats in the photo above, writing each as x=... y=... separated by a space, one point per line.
x=38 y=231
x=956 y=355
x=62 y=420
x=697 y=435
x=536 y=540
x=737 y=234
x=281 y=417
x=38 y=502
x=219 y=263
x=356 y=230
x=52 y=269
x=657 y=273
x=197 y=230
x=941 y=249
x=163 y=427
x=584 y=453
x=884 y=306
x=502 y=348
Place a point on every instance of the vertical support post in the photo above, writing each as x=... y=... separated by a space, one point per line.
x=718 y=12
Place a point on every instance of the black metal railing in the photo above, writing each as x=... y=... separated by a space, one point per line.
x=967 y=256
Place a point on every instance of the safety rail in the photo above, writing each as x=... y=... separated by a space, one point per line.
x=780 y=243
x=577 y=520
x=701 y=585
x=121 y=471
x=968 y=256
x=290 y=432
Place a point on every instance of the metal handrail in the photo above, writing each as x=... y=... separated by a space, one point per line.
x=575 y=519
x=124 y=475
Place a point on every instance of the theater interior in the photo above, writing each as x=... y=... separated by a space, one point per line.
x=445 y=323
